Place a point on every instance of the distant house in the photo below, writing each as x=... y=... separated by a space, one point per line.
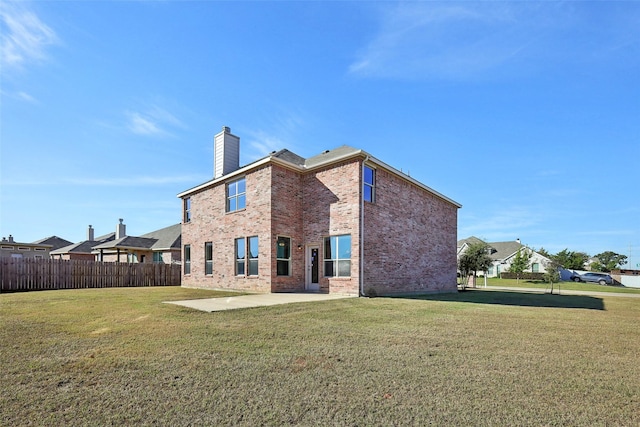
x=82 y=250
x=342 y=221
x=160 y=246
x=9 y=248
x=502 y=255
x=55 y=242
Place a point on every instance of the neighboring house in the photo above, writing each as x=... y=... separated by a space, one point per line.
x=160 y=246
x=502 y=255
x=9 y=248
x=339 y=222
x=55 y=242
x=82 y=250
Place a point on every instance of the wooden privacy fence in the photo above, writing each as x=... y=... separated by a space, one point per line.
x=41 y=274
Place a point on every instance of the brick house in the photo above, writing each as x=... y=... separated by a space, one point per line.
x=339 y=222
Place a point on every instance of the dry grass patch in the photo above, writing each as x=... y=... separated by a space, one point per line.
x=119 y=356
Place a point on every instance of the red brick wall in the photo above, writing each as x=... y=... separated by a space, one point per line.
x=410 y=239
x=211 y=223
x=286 y=221
x=331 y=206
x=410 y=234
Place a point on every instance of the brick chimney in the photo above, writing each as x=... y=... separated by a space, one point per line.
x=90 y=235
x=226 y=153
x=121 y=230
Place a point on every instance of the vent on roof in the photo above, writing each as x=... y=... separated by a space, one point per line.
x=226 y=153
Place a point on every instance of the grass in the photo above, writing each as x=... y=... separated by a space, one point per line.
x=537 y=284
x=120 y=356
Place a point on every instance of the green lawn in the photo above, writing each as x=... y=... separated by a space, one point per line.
x=573 y=286
x=121 y=357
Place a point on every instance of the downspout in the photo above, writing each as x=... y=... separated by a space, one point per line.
x=362 y=227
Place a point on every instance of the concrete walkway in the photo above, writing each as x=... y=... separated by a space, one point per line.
x=255 y=300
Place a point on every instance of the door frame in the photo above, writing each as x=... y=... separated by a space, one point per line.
x=308 y=285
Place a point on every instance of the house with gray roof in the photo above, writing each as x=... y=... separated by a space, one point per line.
x=54 y=241
x=502 y=255
x=342 y=221
x=160 y=246
x=82 y=250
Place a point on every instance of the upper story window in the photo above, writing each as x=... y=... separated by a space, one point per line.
x=368 y=191
x=187 y=209
x=337 y=256
x=236 y=195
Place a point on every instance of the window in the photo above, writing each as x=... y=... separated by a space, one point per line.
x=208 y=258
x=535 y=267
x=236 y=195
x=337 y=256
x=157 y=258
x=490 y=270
x=240 y=256
x=247 y=249
x=253 y=256
x=187 y=259
x=187 y=209
x=369 y=184
x=283 y=256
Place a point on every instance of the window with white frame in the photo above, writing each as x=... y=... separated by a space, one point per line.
x=535 y=267
x=236 y=195
x=369 y=187
x=337 y=256
x=283 y=256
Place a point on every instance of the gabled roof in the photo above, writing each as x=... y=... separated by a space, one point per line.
x=55 y=242
x=84 y=247
x=503 y=250
x=332 y=156
x=166 y=238
x=469 y=240
x=127 y=242
x=292 y=160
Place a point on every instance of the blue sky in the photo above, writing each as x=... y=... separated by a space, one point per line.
x=526 y=113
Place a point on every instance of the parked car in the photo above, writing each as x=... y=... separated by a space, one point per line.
x=601 y=278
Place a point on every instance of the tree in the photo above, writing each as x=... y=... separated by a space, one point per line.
x=552 y=275
x=544 y=253
x=570 y=260
x=608 y=261
x=475 y=258
x=520 y=263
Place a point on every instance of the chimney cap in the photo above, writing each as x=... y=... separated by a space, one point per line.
x=120 y=219
x=226 y=129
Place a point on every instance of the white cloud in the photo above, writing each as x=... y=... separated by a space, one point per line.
x=154 y=121
x=461 y=40
x=281 y=133
x=24 y=37
x=27 y=98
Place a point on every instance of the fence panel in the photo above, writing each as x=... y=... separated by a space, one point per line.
x=41 y=274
